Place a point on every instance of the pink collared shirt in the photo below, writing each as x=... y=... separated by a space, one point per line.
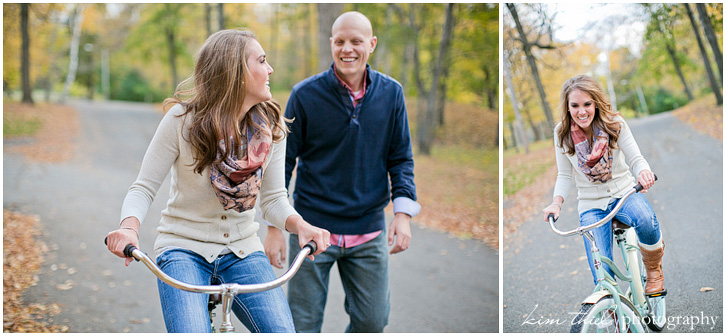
x=354 y=96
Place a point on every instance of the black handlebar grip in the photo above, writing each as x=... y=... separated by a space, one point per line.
x=639 y=187
x=313 y=247
x=128 y=250
x=551 y=216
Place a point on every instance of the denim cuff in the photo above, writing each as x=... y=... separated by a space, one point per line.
x=406 y=205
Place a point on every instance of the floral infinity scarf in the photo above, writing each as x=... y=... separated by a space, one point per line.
x=237 y=181
x=592 y=161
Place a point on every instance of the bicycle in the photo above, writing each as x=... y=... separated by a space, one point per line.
x=608 y=309
x=222 y=293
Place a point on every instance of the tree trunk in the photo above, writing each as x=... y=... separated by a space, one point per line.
x=327 y=13
x=171 y=42
x=428 y=125
x=382 y=49
x=641 y=98
x=220 y=9
x=527 y=48
x=73 y=62
x=711 y=37
x=106 y=74
x=515 y=105
x=274 y=24
x=610 y=85
x=441 y=104
x=714 y=86
x=672 y=52
x=307 y=45
x=89 y=78
x=25 y=54
x=489 y=92
x=208 y=18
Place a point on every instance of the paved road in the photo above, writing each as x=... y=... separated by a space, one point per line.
x=545 y=276
x=441 y=284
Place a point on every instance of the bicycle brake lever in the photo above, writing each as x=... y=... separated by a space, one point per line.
x=552 y=216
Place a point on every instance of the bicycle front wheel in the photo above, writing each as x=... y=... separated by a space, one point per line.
x=603 y=317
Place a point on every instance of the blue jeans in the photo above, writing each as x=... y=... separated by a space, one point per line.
x=636 y=213
x=364 y=273
x=187 y=312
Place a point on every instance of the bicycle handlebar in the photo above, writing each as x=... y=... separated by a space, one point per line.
x=580 y=230
x=133 y=252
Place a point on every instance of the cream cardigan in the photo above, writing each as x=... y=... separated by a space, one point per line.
x=194 y=219
x=596 y=195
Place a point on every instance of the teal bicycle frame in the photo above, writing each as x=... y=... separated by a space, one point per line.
x=606 y=284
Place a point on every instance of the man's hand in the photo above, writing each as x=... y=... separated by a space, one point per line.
x=275 y=247
x=400 y=233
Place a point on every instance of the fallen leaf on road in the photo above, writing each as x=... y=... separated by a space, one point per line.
x=573 y=273
x=705 y=289
x=66 y=286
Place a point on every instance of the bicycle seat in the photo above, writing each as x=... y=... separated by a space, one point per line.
x=619 y=225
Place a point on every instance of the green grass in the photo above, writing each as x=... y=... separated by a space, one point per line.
x=19 y=125
x=486 y=159
x=521 y=169
x=533 y=147
x=521 y=178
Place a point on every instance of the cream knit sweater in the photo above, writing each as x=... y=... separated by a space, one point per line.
x=596 y=195
x=194 y=219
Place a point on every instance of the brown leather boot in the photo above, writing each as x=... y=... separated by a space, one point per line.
x=653 y=269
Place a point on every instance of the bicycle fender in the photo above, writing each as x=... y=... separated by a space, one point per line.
x=595 y=297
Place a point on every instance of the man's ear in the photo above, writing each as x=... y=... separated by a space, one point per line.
x=374 y=41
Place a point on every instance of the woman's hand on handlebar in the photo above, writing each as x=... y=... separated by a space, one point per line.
x=117 y=240
x=646 y=178
x=554 y=208
x=306 y=232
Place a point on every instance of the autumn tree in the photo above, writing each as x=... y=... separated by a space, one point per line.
x=429 y=107
x=527 y=48
x=707 y=63
x=74 y=50
x=662 y=23
x=25 y=55
x=711 y=37
x=327 y=13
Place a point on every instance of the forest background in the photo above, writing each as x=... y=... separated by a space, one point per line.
x=649 y=58
x=444 y=55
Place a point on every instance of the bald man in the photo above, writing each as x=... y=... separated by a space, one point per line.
x=351 y=144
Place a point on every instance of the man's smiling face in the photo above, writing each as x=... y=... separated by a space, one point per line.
x=351 y=44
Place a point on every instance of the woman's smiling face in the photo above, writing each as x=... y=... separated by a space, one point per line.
x=258 y=82
x=581 y=106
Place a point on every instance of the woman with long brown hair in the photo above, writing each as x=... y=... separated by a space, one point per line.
x=594 y=144
x=223 y=141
